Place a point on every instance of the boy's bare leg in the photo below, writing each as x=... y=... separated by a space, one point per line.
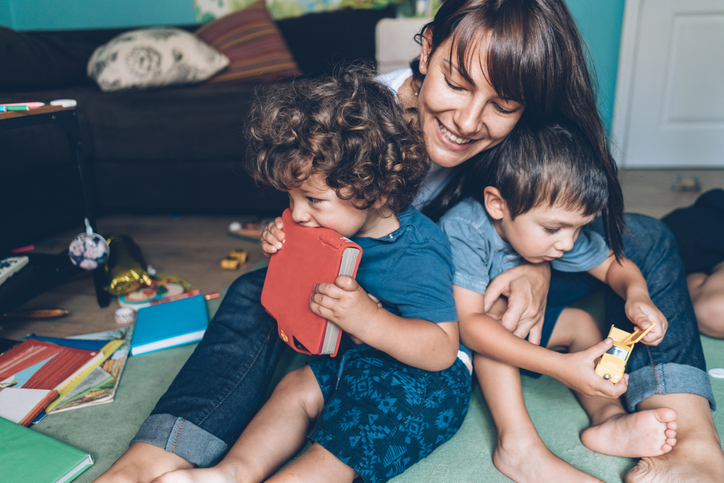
x=272 y=438
x=141 y=463
x=697 y=456
x=707 y=296
x=316 y=465
x=613 y=431
x=520 y=454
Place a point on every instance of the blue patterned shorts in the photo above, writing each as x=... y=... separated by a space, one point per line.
x=381 y=416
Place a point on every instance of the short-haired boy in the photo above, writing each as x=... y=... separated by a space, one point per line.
x=532 y=201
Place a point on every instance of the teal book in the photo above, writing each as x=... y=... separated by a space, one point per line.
x=31 y=456
x=170 y=324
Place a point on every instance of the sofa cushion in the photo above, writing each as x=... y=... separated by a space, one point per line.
x=152 y=58
x=252 y=42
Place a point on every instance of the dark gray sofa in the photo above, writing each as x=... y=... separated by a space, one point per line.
x=170 y=150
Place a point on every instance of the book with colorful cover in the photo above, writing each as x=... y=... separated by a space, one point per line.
x=29 y=456
x=101 y=385
x=43 y=367
x=309 y=256
x=108 y=349
x=164 y=288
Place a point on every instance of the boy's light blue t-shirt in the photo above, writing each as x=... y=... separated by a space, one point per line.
x=480 y=254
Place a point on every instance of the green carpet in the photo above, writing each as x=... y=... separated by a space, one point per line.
x=105 y=430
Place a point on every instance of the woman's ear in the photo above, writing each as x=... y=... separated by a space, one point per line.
x=426 y=51
x=494 y=203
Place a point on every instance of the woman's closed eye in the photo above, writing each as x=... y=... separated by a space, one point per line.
x=504 y=110
x=453 y=86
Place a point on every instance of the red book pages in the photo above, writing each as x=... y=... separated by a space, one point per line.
x=309 y=256
x=64 y=362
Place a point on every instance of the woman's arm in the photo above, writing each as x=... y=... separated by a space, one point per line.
x=526 y=287
x=416 y=342
x=625 y=278
x=485 y=335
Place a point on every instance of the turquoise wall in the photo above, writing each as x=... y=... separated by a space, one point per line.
x=600 y=23
x=84 y=14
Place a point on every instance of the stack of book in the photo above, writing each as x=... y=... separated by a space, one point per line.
x=42 y=374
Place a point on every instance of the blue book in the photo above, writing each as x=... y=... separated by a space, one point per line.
x=87 y=344
x=169 y=324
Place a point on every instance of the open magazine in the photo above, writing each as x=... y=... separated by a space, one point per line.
x=101 y=385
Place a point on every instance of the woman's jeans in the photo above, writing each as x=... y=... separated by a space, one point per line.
x=224 y=382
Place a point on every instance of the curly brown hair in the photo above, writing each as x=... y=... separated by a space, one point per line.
x=346 y=127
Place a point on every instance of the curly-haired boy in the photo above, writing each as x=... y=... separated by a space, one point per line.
x=400 y=383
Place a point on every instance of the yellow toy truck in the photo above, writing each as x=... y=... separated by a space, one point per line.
x=613 y=363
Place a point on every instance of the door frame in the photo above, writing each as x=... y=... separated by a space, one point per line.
x=628 y=53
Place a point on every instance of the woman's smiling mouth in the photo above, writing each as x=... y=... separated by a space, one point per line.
x=450 y=136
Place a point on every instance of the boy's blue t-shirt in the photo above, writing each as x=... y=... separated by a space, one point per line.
x=410 y=270
x=480 y=254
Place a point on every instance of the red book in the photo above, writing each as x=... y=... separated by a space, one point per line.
x=33 y=373
x=309 y=256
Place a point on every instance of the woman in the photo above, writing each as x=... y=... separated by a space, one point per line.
x=484 y=67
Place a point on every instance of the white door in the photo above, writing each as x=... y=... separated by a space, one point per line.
x=669 y=109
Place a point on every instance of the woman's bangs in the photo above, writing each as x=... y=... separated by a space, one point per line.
x=505 y=58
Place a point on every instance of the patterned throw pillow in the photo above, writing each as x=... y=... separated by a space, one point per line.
x=252 y=42
x=153 y=57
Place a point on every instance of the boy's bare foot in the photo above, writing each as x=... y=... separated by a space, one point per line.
x=644 y=433
x=534 y=463
x=142 y=462
x=201 y=475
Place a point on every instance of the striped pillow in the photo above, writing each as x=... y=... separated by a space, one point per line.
x=252 y=42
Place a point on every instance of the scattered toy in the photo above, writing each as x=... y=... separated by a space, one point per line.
x=229 y=263
x=686 y=184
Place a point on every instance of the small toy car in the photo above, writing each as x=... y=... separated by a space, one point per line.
x=229 y=263
x=613 y=363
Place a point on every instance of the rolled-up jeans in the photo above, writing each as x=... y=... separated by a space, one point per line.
x=677 y=364
x=225 y=381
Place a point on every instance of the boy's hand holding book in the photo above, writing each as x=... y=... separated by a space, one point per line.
x=348 y=305
x=272 y=237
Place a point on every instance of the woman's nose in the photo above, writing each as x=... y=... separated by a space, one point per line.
x=470 y=117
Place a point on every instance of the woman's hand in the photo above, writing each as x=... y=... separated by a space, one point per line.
x=272 y=237
x=577 y=370
x=526 y=287
x=642 y=311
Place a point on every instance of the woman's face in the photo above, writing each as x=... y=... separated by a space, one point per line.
x=460 y=119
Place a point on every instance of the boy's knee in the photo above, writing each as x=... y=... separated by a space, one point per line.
x=575 y=328
x=301 y=386
x=585 y=322
x=709 y=310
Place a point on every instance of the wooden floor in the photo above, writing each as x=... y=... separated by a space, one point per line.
x=191 y=247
